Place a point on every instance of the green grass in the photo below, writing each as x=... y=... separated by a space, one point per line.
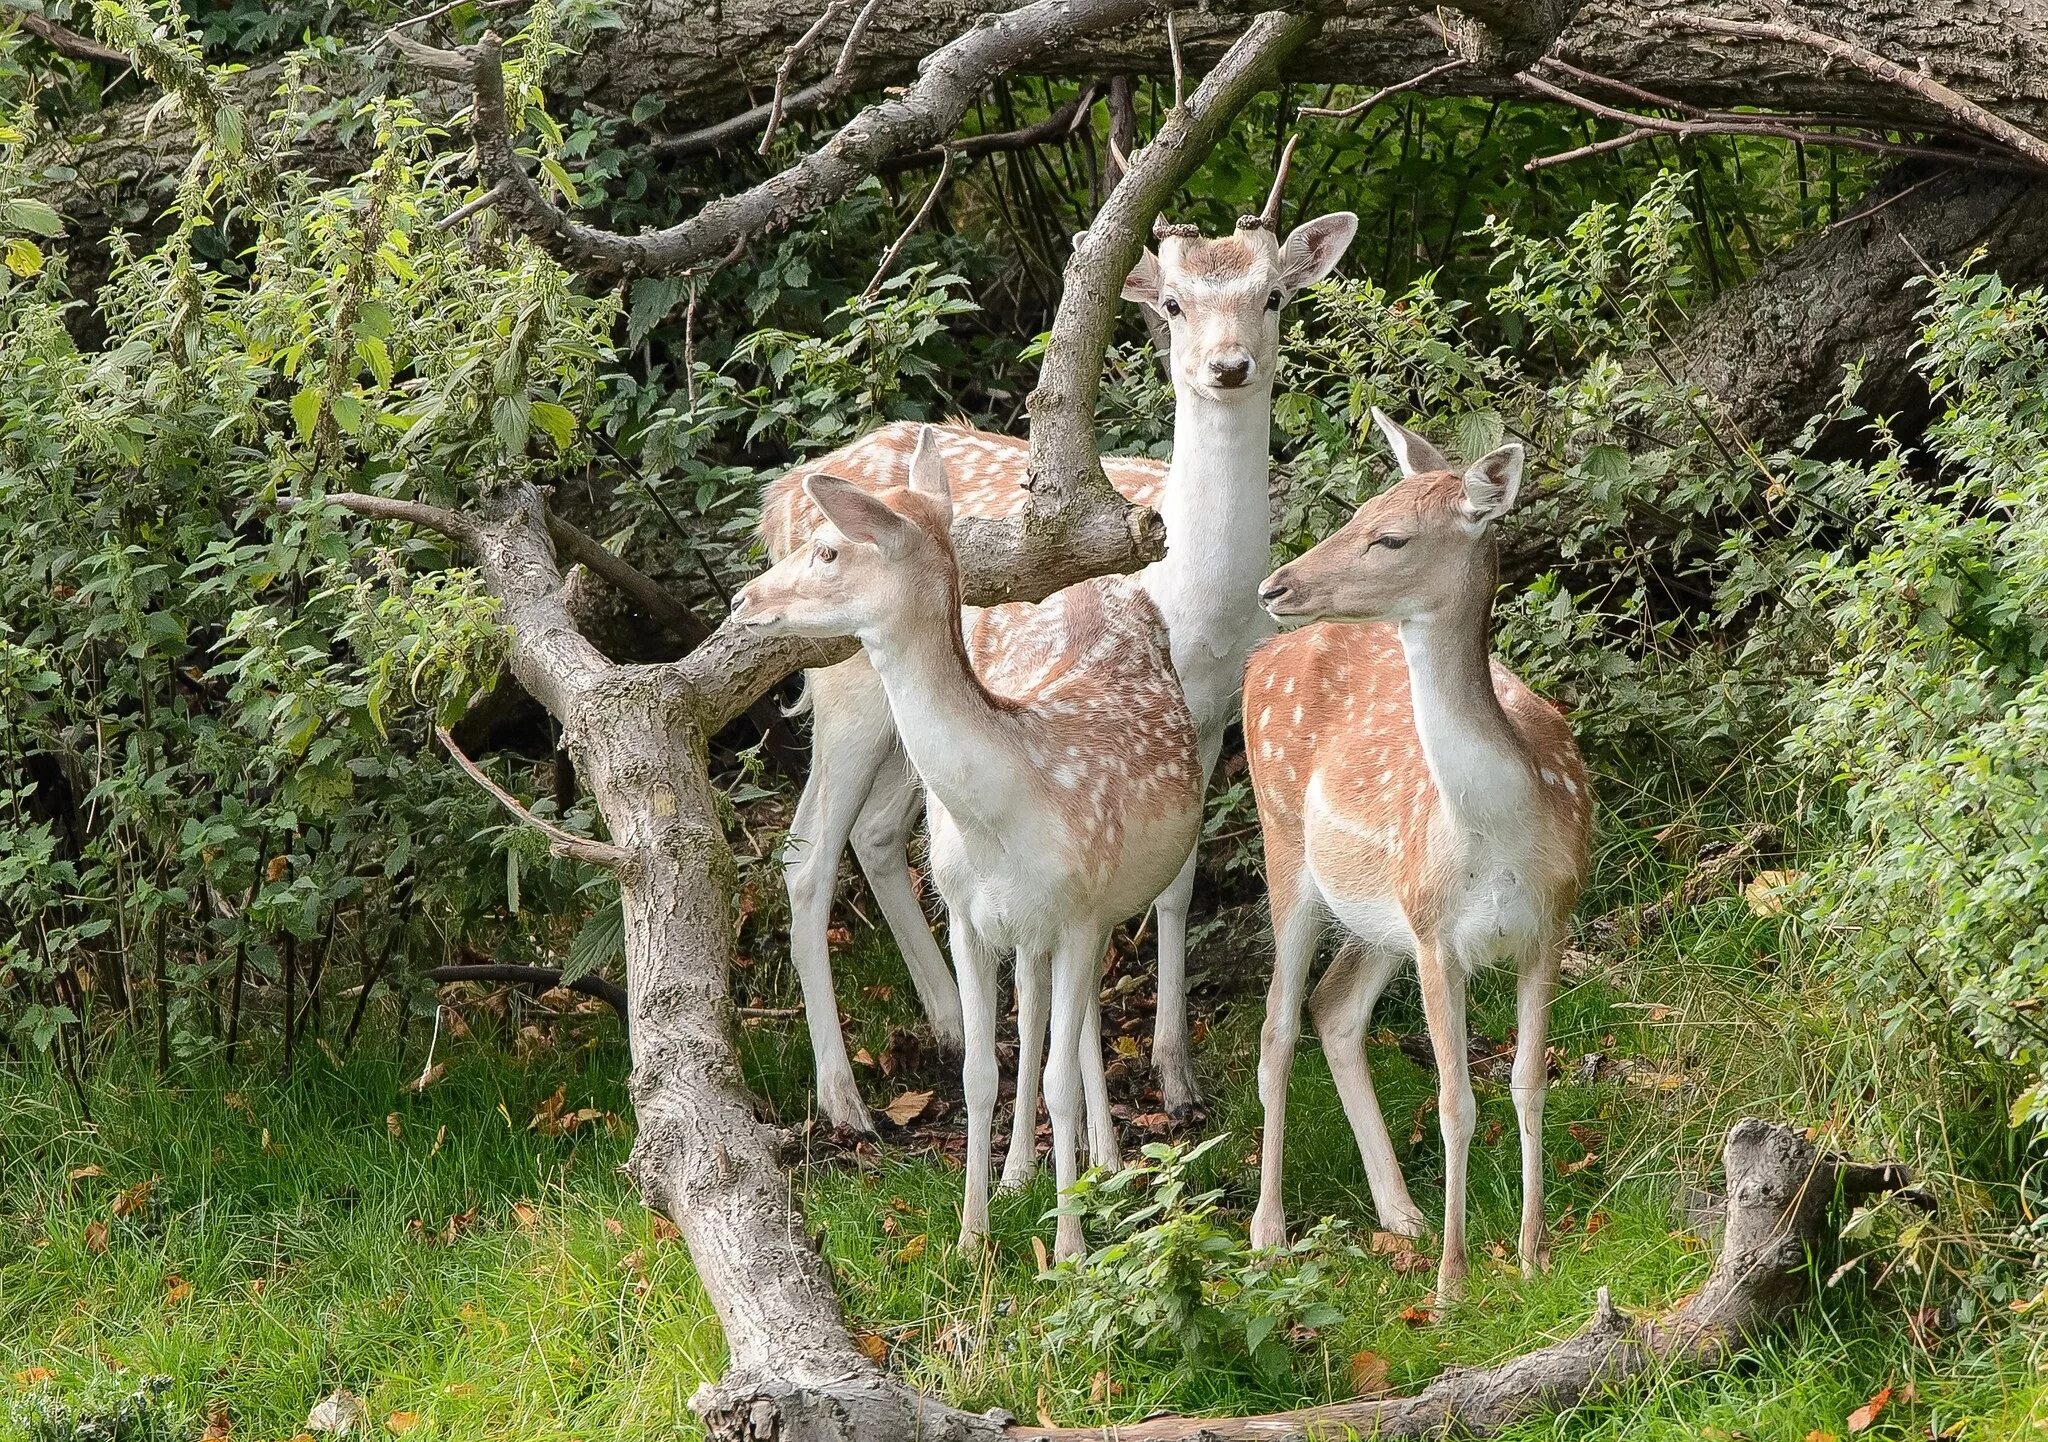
x=557 y=1312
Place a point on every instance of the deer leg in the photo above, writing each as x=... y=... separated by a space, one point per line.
x=1342 y=1008
x=881 y=837
x=1297 y=929
x=1102 y=1147
x=1171 y=1060
x=1075 y=969
x=851 y=737
x=1443 y=1004
x=1034 y=981
x=1536 y=989
x=977 y=969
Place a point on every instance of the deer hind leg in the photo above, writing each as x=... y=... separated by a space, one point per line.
x=881 y=837
x=851 y=738
x=977 y=967
x=1076 y=969
x=1102 y=1142
x=1443 y=1004
x=1536 y=988
x=1297 y=927
x=1034 y=982
x=1342 y=1008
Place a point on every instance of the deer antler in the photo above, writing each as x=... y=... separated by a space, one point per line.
x=1269 y=218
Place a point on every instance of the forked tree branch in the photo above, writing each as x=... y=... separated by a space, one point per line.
x=1074 y=525
x=923 y=116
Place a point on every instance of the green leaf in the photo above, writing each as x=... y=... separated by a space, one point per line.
x=557 y=421
x=511 y=422
x=33 y=216
x=598 y=943
x=306 y=411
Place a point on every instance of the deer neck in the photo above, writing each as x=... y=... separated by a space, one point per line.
x=959 y=738
x=1475 y=755
x=1218 y=545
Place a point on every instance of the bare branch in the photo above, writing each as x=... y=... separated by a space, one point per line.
x=452 y=524
x=64 y=40
x=1057 y=126
x=452 y=64
x=1179 y=71
x=1621 y=87
x=896 y=246
x=1270 y=216
x=1761 y=126
x=1964 y=111
x=1415 y=82
x=483 y=202
x=561 y=843
x=795 y=53
x=924 y=115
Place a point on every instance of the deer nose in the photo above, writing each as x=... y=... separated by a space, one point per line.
x=1230 y=371
x=1274 y=591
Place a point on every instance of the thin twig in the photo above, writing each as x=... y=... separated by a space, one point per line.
x=1414 y=82
x=1621 y=87
x=439 y=10
x=795 y=53
x=889 y=256
x=1058 y=126
x=463 y=212
x=1889 y=200
x=811 y=97
x=562 y=843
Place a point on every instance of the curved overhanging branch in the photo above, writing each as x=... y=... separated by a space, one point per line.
x=1074 y=525
x=924 y=115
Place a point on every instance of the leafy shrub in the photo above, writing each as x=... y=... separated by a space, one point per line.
x=1173 y=1283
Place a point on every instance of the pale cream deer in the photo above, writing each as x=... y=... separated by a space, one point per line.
x=1220 y=301
x=1061 y=772
x=1416 y=792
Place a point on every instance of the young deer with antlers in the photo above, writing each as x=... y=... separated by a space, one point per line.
x=1220 y=302
x=1063 y=789
x=1414 y=790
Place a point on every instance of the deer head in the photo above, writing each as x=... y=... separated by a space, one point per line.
x=880 y=560
x=1221 y=299
x=1420 y=548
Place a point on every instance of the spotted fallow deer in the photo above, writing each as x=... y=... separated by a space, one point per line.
x=1061 y=771
x=1414 y=790
x=1220 y=302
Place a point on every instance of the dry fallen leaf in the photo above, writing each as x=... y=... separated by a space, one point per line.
x=525 y=1215
x=1566 y=1169
x=134 y=1198
x=400 y=1423
x=1126 y=1047
x=393 y=1127
x=1418 y=1316
x=33 y=1376
x=79 y=1174
x=1765 y=899
x=911 y=1250
x=96 y=1236
x=614 y=1227
x=1102 y=1387
x=1045 y=1408
x=337 y=1414
x=907 y=1107
x=176 y=1290
x=428 y=1077
x=871 y=1347
x=1039 y=1253
x=1816 y=1435
x=217 y=1427
x=662 y=1229
x=1368 y=1374
x=1861 y=1419
x=274 y=872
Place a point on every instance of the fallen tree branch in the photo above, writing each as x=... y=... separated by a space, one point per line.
x=63 y=39
x=1057 y=126
x=1961 y=109
x=547 y=978
x=1780 y=1191
x=923 y=115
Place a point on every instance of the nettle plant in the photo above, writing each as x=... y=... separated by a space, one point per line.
x=1176 y=1283
x=1931 y=722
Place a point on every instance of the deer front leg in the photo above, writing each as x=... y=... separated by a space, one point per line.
x=1342 y=1007
x=977 y=969
x=1536 y=989
x=1172 y=1061
x=1034 y=983
x=1296 y=931
x=1075 y=968
x=1443 y=1004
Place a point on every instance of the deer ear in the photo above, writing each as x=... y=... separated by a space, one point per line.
x=860 y=516
x=1315 y=247
x=1492 y=483
x=928 y=471
x=1142 y=284
x=1412 y=453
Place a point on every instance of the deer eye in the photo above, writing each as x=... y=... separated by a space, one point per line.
x=1273 y=301
x=827 y=555
x=1172 y=307
x=1392 y=543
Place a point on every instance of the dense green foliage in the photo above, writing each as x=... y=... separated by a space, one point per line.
x=221 y=802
